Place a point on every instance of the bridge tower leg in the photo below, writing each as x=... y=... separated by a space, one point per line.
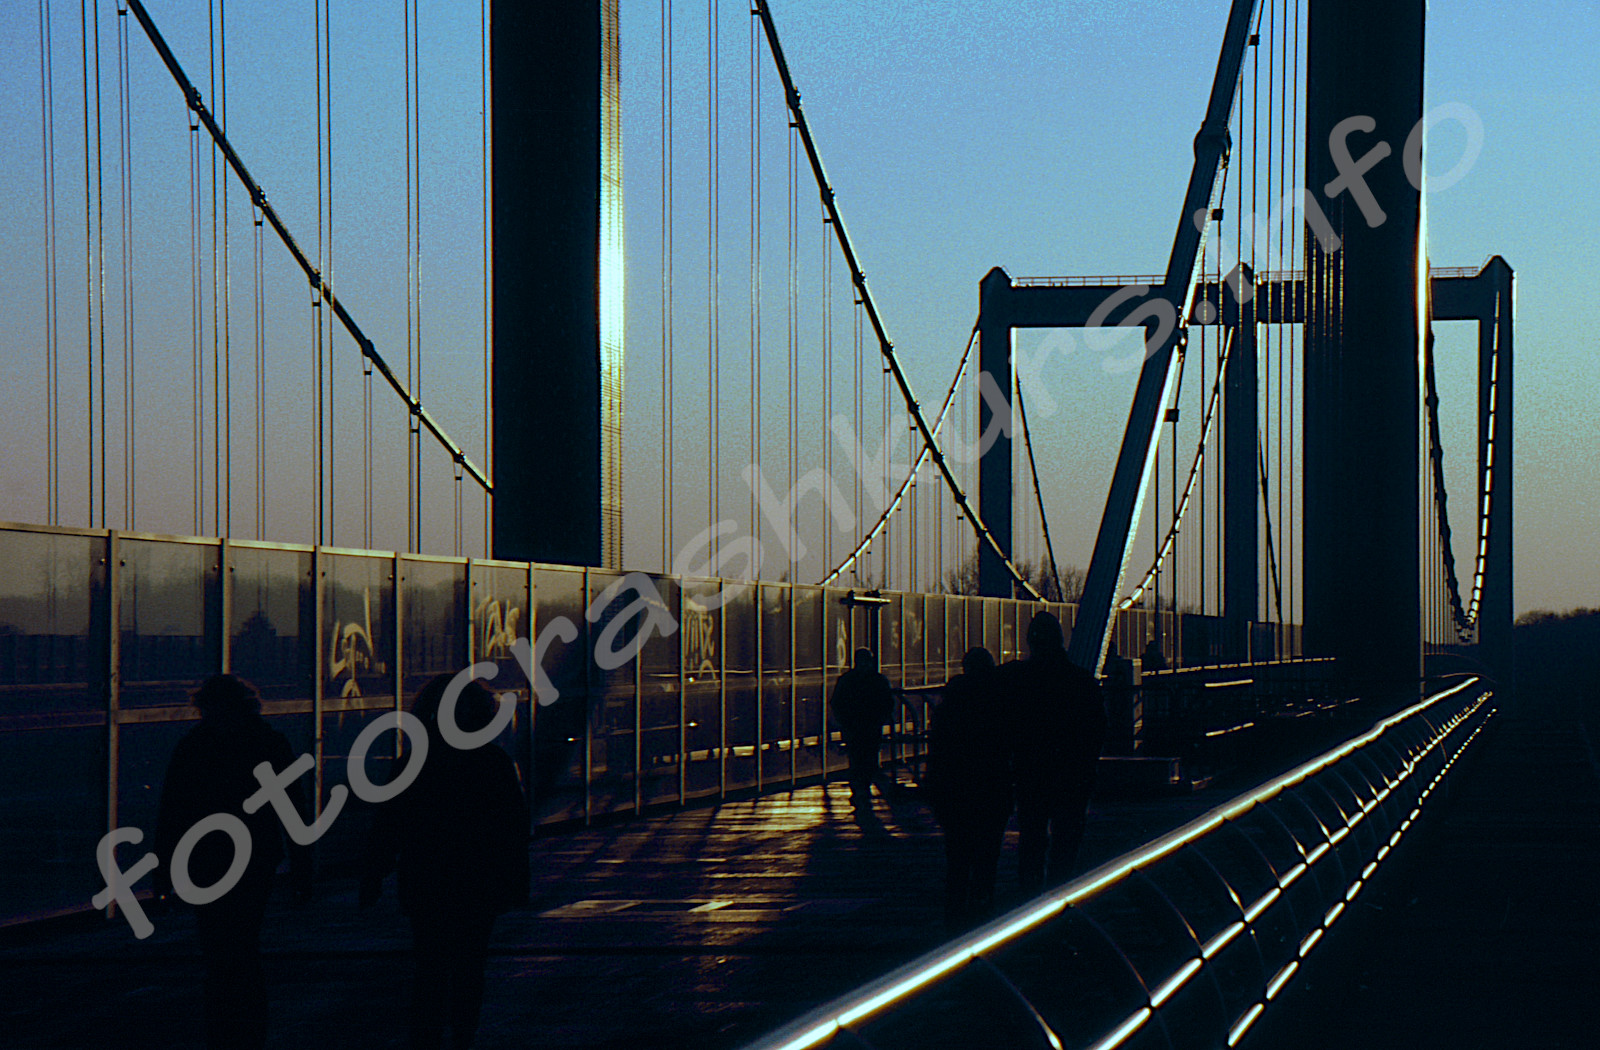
x=994 y=465
x=557 y=234
x=1361 y=563
x=1241 y=526
x=1495 y=613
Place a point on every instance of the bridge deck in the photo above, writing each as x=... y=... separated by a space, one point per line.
x=706 y=927
x=703 y=927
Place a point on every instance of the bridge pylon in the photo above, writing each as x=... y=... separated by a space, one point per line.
x=1364 y=324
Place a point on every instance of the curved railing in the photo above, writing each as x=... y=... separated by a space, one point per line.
x=1184 y=941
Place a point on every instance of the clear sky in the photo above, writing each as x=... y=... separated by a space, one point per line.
x=1046 y=137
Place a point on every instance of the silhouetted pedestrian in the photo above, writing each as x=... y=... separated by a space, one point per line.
x=969 y=780
x=211 y=771
x=459 y=836
x=1154 y=658
x=1058 y=730
x=862 y=703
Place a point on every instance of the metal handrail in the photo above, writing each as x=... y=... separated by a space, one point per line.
x=1398 y=753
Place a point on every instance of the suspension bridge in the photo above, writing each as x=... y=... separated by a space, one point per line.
x=319 y=378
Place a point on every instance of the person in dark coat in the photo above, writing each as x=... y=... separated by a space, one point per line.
x=969 y=780
x=459 y=837
x=862 y=703
x=1058 y=729
x=211 y=771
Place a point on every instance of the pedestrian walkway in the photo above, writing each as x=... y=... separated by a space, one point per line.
x=1484 y=934
x=703 y=927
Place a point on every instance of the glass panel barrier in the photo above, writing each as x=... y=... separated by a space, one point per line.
x=933 y=627
x=271 y=632
x=358 y=646
x=913 y=639
x=741 y=664
x=839 y=652
x=52 y=608
x=500 y=617
x=810 y=714
x=1010 y=636
x=992 y=640
x=703 y=682
x=170 y=612
x=434 y=614
x=777 y=712
x=559 y=790
x=613 y=704
x=661 y=703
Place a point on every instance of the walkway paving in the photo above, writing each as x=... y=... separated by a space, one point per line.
x=701 y=928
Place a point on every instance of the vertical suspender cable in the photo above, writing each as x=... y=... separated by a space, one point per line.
x=100 y=267
x=666 y=288
x=216 y=291
x=258 y=259
x=196 y=336
x=488 y=277
x=790 y=521
x=413 y=541
x=88 y=253
x=713 y=267
x=416 y=184
x=52 y=376
x=855 y=411
x=827 y=394
x=316 y=299
x=125 y=149
x=327 y=315
x=1264 y=557
x=755 y=284
x=1297 y=350
x=226 y=432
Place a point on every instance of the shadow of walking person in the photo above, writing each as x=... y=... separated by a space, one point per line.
x=458 y=836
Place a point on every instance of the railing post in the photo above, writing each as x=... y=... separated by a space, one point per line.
x=761 y=686
x=588 y=705
x=794 y=715
x=683 y=707
x=397 y=570
x=113 y=678
x=224 y=607
x=318 y=674
x=722 y=693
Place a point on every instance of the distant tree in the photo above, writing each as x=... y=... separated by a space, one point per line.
x=1558 y=661
x=963 y=579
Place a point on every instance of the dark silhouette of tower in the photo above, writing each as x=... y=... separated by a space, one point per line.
x=558 y=312
x=1362 y=332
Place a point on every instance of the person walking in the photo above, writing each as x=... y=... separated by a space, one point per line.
x=458 y=836
x=969 y=781
x=1057 y=731
x=862 y=703
x=212 y=771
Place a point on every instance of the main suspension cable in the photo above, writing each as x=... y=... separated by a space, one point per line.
x=951 y=397
x=320 y=287
x=792 y=96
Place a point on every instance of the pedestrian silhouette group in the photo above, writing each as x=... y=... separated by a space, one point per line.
x=1025 y=736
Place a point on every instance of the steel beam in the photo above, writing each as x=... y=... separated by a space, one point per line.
x=994 y=424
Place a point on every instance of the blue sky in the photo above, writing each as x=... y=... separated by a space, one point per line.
x=1049 y=138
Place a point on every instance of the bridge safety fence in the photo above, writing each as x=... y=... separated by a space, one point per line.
x=104 y=634
x=1185 y=941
